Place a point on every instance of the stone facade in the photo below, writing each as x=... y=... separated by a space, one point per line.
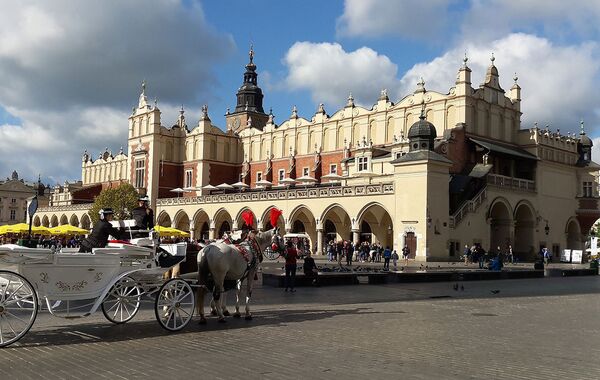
x=478 y=178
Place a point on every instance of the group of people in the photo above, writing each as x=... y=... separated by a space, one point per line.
x=364 y=252
x=493 y=260
x=291 y=264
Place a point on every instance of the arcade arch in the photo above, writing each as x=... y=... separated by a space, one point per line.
x=36 y=221
x=182 y=221
x=337 y=223
x=163 y=220
x=266 y=221
x=573 y=232
x=241 y=224
x=302 y=220
x=74 y=221
x=45 y=221
x=525 y=221
x=54 y=221
x=64 y=220
x=376 y=225
x=500 y=224
x=85 y=222
x=222 y=223
x=201 y=223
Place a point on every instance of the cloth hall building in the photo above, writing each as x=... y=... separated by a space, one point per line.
x=434 y=171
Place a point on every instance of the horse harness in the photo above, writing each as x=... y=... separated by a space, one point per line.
x=247 y=247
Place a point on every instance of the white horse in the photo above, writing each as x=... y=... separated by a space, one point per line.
x=221 y=261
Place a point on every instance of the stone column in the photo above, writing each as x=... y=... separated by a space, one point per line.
x=211 y=233
x=192 y=230
x=355 y=236
x=319 y=244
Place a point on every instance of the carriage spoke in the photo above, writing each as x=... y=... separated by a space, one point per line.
x=11 y=328
x=14 y=293
x=113 y=306
x=24 y=300
x=5 y=289
x=14 y=316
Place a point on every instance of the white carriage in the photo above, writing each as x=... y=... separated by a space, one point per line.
x=117 y=279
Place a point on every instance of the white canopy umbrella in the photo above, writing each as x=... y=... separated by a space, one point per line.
x=264 y=183
x=287 y=181
x=225 y=186
x=177 y=190
x=333 y=177
x=188 y=189
x=306 y=178
x=209 y=187
x=241 y=185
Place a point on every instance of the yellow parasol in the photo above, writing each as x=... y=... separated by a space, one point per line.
x=67 y=229
x=19 y=228
x=168 y=231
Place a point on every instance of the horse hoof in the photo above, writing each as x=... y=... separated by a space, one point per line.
x=222 y=320
x=237 y=315
x=202 y=321
x=226 y=313
x=248 y=317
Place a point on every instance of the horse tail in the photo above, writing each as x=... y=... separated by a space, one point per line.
x=203 y=269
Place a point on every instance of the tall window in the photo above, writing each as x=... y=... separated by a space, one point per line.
x=258 y=176
x=587 y=189
x=13 y=201
x=281 y=174
x=140 y=169
x=13 y=214
x=188 y=178
x=363 y=164
x=304 y=171
x=333 y=169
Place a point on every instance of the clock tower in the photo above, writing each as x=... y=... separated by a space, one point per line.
x=249 y=112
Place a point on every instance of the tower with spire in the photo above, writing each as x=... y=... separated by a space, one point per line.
x=249 y=101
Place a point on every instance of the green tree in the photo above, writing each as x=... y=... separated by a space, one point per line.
x=121 y=199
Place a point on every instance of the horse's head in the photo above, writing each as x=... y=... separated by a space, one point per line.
x=272 y=238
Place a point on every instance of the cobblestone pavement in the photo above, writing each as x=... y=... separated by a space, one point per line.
x=530 y=329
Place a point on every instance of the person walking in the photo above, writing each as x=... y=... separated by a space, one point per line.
x=466 y=254
x=511 y=257
x=387 y=255
x=349 y=252
x=291 y=256
x=395 y=259
x=405 y=254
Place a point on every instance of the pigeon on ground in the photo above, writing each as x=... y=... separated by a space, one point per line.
x=495 y=291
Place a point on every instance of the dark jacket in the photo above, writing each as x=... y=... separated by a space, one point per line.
x=98 y=238
x=144 y=217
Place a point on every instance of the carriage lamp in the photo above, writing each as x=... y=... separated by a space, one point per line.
x=547 y=228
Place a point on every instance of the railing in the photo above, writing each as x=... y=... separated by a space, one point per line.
x=295 y=193
x=469 y=206
x=77 y=207
x=511 y=182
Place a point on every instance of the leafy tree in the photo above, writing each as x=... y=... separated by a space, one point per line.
x=121 y=199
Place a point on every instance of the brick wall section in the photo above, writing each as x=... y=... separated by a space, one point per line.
x=587 y=218
x=222 y=173
x=172 y=177
x=89 y=193
x=458 y=151
x=256 y=167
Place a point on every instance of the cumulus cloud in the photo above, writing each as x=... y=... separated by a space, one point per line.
x=72 y=72
x=558 y=82
x=330 y=73
x=407 y=18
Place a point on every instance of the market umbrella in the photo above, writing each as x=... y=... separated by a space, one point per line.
x=287 y=181
x=209 y=187
x=40 y=230
x=333 y=177
x=67 y=229
x=19 y=228
x=177 y=190
x=241 y=185
x=168 y=231
x=306 y=180
x=225 y=186
x=264 y=183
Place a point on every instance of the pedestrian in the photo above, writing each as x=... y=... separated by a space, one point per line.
x=387 y=255
x=405 y=254
x=330 y=251
x=481 y=256
x=466 y=254
x=348 y=251
x=511 y=257
x=395 y=258
x=290 y=266
x=340 y=252
x=310 y=269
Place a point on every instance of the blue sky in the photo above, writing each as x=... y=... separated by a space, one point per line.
x=68 y=80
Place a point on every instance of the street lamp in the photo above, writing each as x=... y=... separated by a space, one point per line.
x=547 y=228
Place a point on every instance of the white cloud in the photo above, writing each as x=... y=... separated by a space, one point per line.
x=407 y=18
x=330 y=73
x=596 y=149
x=72 y=71
x=558 y=82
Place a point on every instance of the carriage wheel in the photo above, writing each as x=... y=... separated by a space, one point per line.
x=270 y=254
x=18 y=307
x=122 y=301
x=174 y=306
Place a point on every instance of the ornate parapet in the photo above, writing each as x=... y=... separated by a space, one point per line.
x=296 y=193
x=77 y=207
